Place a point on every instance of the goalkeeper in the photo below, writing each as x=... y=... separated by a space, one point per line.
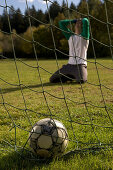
x=76 y=69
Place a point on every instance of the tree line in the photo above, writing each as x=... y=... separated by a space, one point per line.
x=41 y=25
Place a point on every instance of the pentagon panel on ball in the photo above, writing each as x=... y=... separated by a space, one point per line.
x=48 y=138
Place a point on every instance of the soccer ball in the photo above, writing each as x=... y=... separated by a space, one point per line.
x=48 y=138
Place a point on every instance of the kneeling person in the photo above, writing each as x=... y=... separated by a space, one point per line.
x=76 y=69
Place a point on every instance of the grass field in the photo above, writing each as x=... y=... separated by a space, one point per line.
x=24 y=100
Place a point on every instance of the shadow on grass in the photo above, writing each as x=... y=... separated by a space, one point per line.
x=8 y=90
x=17 y=161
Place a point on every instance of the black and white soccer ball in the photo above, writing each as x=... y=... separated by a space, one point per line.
x=48 y=138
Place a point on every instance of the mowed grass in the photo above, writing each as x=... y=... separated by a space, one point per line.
x=27 y=96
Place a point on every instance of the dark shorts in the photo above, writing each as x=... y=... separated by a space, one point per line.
x=70 y=72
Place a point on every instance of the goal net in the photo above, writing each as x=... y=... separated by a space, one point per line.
x=26 y=95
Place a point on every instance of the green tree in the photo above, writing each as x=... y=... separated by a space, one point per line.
x=43 y=37
x=60 y=40
x=1 y=42
x=1 y=22
x=40 y=16
x=18 y=22
x=94 y=7
x=82 y=8
x=6 y=44
x=4 y=21
x=64 y=6
x=72 y=6
x=33 y=14
x=26 y=45
x=26 y=18
x=11 y=16
x=109 y=10
x=54 y=9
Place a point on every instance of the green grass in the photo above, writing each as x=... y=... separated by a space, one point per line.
x=32 y=99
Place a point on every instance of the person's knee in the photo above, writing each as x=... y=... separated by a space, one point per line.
x=51 y=79
x=81 y=80
x=54 y=79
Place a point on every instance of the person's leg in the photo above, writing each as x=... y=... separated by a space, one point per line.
x=81 y=73
x=70 y=72
x=64 y=73
x=55 y=77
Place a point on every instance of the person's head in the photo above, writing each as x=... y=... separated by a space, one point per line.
x=78 y=26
